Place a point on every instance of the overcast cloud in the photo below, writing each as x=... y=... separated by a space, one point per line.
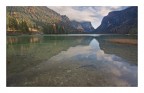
x=86 y=13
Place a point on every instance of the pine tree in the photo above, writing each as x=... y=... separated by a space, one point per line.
x=12 y=23
x=24 y=27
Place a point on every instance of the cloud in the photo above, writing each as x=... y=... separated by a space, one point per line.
x=86 y=13
x=103 y=11
x=74 y=14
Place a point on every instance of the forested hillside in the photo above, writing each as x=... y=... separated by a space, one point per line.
x=36 y=19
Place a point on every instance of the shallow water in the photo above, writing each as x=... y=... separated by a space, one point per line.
x=70 y=61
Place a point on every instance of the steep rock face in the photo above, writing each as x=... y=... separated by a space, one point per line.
x=119 y=22
x=77 y=26
x=87 y=26
x=66 y=21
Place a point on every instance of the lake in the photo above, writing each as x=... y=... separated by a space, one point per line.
x=71 y=60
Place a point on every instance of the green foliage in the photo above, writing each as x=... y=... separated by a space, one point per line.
x=53 y=29
x=12 y=23
x=24 y=27
x=35 y=14
x=15 y=25
x=60 y=29
x=47 y=29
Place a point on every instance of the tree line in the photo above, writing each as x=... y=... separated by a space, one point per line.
x=54 y=28
x=15 y=25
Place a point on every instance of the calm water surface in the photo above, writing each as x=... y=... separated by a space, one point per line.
x=70 y=61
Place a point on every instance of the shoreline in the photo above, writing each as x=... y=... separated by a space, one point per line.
x=124 y=41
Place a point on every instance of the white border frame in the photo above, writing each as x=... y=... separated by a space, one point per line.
x=4 y=3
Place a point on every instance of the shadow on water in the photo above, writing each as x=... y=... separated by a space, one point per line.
x=69 y=61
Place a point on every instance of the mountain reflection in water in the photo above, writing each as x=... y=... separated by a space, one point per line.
x=82 y=64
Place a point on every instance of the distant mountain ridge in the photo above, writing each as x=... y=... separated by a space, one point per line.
x=87 y=26
x=84 y=26
x=119 y=22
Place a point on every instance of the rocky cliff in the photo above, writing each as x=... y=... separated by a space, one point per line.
x=85 y=26
x=119 y=22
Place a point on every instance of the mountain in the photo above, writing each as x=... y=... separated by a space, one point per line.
x=85 y=26
x=119 y=22
x=41 y=19
x=33 y=14
x=77 y=26
x=29 y=19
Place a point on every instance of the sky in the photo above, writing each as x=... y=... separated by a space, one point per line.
x=94 y=14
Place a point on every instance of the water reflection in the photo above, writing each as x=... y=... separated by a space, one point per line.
x=128 y=52
x=92 y=57
x=94 y=44
x=22 y=40
x=11 y=40
x=66 y=61
x=34 y=39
